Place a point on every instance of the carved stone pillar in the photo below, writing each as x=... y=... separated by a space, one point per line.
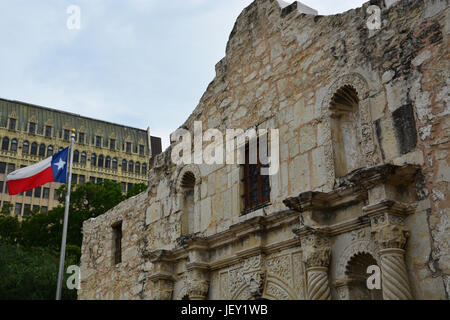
x=316 y=256
x=197 y=275
x=391 y=241
x=162 y=277
x=197 y=285
x=162 y=288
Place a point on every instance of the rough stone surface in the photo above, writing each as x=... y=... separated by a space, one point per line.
x=283 y=69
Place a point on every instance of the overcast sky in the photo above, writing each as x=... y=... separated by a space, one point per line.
x=134 y=62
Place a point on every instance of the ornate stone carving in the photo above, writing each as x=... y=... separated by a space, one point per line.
x=316 y=251
x=255 y=282
x=316 y=256
x=197 y=289
x=162 y=289
x=391 y=240
x=390 y=235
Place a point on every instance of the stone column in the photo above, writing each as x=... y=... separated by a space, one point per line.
x=391 y=241
x=316 y=256
x=197 y=285
x=162 y=287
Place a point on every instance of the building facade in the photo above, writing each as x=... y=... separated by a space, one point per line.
x=362 y=184
x=102 y=151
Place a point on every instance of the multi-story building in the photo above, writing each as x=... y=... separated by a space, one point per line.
x=102 y=151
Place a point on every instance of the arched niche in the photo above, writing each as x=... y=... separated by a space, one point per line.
x=187 y=198
x=347 y=125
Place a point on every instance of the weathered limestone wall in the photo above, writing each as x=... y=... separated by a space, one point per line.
x=282 y=70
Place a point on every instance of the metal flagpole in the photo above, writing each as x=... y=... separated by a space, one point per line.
x=66 y=218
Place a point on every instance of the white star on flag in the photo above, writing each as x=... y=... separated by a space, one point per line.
x=60 y=164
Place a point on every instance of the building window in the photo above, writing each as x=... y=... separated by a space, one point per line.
x=82 y=179
x=49 y=151
x=114 y=164
x=108 y=162
x=124 y=165
x=36 y=208
x=74 y=178
x=34 y=147
x=29 y=193
x=55 y=194
x=112 y=144
x=124 y=187
x=32 y=127
x=92 y=179
x=128 y=150
x=129 y=187
x=37 y=192
x=48 y=131
x=76 y=156
x=46 y=193
x=188 y=203
x=11 y=167
x=25 y=147
x=137 y=168
x=12 y=124
x=60 y=149
x=2 y=167
x=14 y=145
x=42 y=150
x=130 y=166
x=256 y=185
x=117 y=243
x=44 y=209
x=18 y=209
x=93 y=160
x=99 y=180
x=5 y=143
x=83 y=158
x=81 y=137
x=1 y=186
x=66 y=135
x=100 y=161
x=141 y=150
x=98 y=141
x=144 y=168
x=26 y=209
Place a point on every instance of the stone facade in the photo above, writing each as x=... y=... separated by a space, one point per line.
x=363 y=179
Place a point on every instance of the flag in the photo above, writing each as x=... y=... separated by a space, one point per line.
x=52 y=169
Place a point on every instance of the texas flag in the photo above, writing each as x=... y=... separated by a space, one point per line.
x=52 y=169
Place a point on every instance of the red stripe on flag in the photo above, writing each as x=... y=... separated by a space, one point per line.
x=25 y=184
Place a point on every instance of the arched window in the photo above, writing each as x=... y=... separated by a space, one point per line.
x=144 y=168
x=42 y=150
x=131 y=166
x=100 y=161
x=124 y=165
x=14 y=145
x=187 y=218
x=49 y=151
x=34 y=147
x=93 y=160
x=108 y=162
x=5 y=143
x=114 y=164
x=25 y=147
x=137 y=168
x=344 y=130
x=83 y=158
x=76 y=156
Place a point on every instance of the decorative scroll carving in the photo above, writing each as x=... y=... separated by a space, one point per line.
x=162 y=289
